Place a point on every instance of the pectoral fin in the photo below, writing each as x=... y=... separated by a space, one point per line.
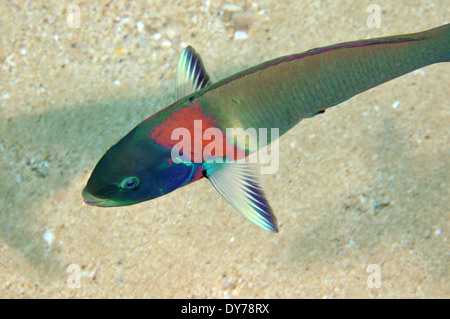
x=239 y=184
x=191 y=75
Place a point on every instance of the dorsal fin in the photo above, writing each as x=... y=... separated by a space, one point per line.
x=191 y=75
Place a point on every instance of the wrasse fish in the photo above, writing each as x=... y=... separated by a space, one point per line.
x=274 y=95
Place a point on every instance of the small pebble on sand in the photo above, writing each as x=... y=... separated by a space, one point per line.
x=48 y=237
x=240 y=35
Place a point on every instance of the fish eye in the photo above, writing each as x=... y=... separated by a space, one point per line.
x=129 y=182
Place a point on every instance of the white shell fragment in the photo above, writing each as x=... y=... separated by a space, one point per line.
x=395 y=105
x=240 y=35
x=140 y=26
x=48 y=237
x=232 y=8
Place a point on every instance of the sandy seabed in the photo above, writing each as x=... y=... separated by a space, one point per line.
x=365 y=184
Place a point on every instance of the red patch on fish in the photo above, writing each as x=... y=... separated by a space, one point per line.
x=190 y=131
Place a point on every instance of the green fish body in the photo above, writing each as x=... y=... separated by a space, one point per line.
x=154 y=159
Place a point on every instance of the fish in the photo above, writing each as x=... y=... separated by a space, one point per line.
x=160 y=155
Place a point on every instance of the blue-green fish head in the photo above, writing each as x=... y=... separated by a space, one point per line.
x=134 y=170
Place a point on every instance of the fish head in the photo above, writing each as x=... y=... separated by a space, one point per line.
x=134 y=170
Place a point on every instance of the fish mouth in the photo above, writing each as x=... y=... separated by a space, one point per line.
x=94 y=201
